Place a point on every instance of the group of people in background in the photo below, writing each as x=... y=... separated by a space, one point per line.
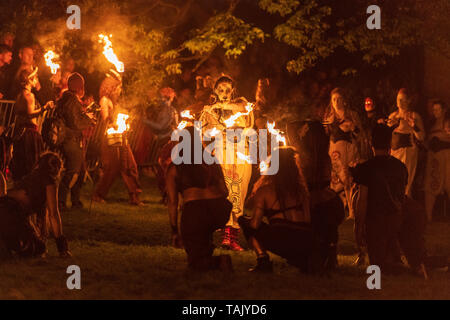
x=345 y=161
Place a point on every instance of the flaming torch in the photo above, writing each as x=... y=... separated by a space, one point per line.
x=230 y=121
x=115 y=135
x=276 y=132
x=49 y=56
x=108 y=52
x=244 y=157
x=182 y=125
x=263 y=167
x=187 y=114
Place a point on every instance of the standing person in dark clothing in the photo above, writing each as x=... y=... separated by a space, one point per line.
x=383 y=181
x=28 y=144
x=327 y=209
x=5 y=60
x=372 y=116
x=70 y=109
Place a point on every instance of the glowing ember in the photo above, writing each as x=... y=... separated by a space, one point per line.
x=186 y=114
x=276 y=132
x=263 y=167
x=109 y=53
x=182 y=125
x=230 y=121
x=121 y=123
x=244 y=157
x=49 y=56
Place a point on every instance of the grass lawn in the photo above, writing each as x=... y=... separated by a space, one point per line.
x=124 y=253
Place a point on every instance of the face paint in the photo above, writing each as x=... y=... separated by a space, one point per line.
x=368 y=105
x=224 y=91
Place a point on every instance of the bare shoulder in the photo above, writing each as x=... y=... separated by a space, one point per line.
x=105 y=102
x=393 y=114
x=28 y=95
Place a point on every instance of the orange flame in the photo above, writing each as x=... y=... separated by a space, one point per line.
x=276 y=132
x=109 y=53
x=230 y=121
x=244 y=157
x=121 y=123
x=263 y=167
x=49 y=56
x=186 y=114
x=182 y=125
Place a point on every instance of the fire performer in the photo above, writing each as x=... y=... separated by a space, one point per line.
x=437 y=177
x=28 y=143
x=283 y=199
x=408 y=132
x=205 y=209
x=117 y=158
x=237 y=176
x=35 y=194
x=345 y=132
x=70 y=109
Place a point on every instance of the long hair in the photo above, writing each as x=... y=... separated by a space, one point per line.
x=202 y=173
x=107 y=88
x=25 y=77
x=445 y=112
x=313 y=146
x=330 y=114
x=289 y=181
x=49 y=164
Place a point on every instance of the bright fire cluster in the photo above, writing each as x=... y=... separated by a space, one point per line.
x=230 y=121
x=49 y=56
x=121 y=123
x=109 y=52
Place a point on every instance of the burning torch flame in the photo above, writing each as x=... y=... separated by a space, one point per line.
x=182 y=125
x=276 y=132
x=230 y=121
x=49 y=56
x=244 y=157
x=263 y=167
x=186 y=114
x=121 y=123
x=214 y=132
x=109 y=52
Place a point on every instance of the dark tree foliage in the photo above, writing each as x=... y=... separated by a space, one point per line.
x=156 y=39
